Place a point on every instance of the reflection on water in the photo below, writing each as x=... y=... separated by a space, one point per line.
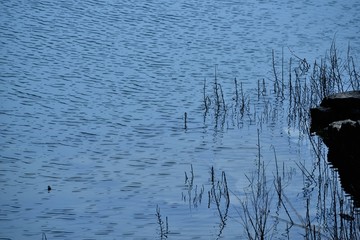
x=92 y=102
x=343 y=154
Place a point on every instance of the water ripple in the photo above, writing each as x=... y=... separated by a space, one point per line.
x=93 y=96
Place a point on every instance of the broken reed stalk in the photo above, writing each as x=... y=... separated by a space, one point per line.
x=219 y=191
x=222 y=98
x=353 y=75
x=307 y=221
x=335 y=228
x=236 y=91
x=193 y=197
x=290 y=84
x=335 y=74
x=282 y=72
x=212 y=175
x=189 y=183
x=242 y=108
x=43 y=236
x=278 y=89
x=277 y=181
x=163 y=226
x=226 y=189
x=219 y=96
x=261 y=88
x=216 y=90
x=259 y=150
x=276 y=82
x=185 y=120
x=205 y=97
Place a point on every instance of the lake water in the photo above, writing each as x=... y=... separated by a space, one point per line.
x=92 y=103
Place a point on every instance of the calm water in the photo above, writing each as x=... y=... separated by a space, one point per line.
x=92 y=101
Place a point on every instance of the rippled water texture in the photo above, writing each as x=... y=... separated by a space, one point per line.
x=92 y=100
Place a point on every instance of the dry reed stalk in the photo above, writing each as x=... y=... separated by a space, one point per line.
x=163 y=226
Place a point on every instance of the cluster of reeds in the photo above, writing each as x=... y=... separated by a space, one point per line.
x=336 y=216
x=218 y=195
x=297 y=85
x=215 y=104
x=305 y=87
x=193 y=196
x=334 y=73
x=218 y=100
x=266 y=210
x=257 y=202
x=309 y=84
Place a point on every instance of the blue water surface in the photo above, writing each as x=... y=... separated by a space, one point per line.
x=92 y=103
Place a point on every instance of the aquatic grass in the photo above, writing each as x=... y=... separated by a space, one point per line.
x=309 y=84
x=216 y=101
x=219 y=191
x=193 y=197
x=163 y=226
x=305 y=89
x=218 y=195
x=257 y=202
x=336 y=217
x=219 y=96
x=261 y=88
x=279 y=85
x=215 y=105
x=354 y=76
x=240 y=98
x=266 y=210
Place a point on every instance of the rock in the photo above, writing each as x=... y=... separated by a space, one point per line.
x=347 y=100
x=335 y=107
x=343 y=140
x=337 y=122
x=342 y=134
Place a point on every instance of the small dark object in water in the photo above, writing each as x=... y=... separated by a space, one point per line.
x=49 y=188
